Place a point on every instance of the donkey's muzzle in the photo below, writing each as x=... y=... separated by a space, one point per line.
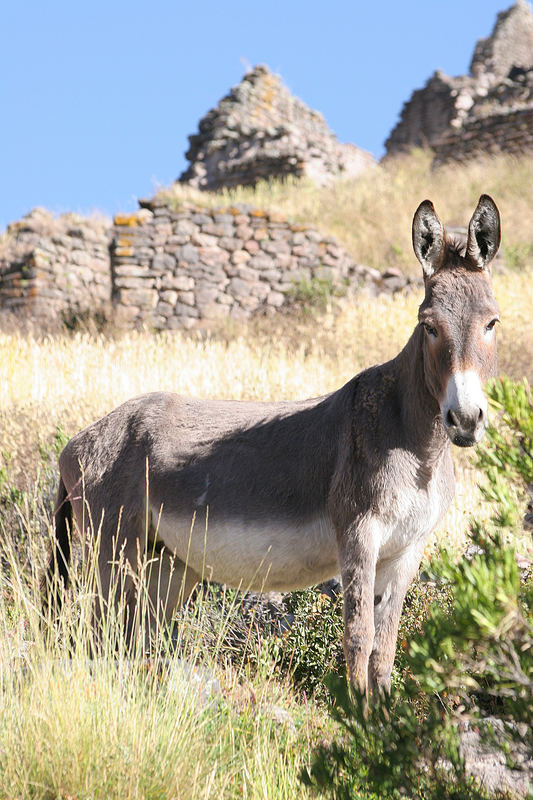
x=465 y=429
x=464 y=409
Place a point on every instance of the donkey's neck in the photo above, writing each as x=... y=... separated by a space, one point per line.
x=421 y=415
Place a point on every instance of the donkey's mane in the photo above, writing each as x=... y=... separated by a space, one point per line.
x=456 y=244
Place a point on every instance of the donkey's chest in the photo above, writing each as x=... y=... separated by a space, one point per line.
x=410 y=515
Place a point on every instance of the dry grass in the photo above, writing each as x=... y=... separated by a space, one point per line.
x=372 y=215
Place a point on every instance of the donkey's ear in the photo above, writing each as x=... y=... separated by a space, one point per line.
x=483 y=234
x=428 y=238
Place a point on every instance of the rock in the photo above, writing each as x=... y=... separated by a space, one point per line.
x=187 y=298
x=488 y=765
x=239 y=288
x=240 y=256
x=169 y=296
x=162 y=262
x=275 y=299
x=279 y=715
x=188 y=253
x=182 y=282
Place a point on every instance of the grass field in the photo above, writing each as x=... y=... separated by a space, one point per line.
x=117 y=729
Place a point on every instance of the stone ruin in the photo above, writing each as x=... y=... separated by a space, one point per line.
x=178 y=267
x=187 y=265
x=170 y=268
x=488 y=111
x=260 y=131
x=55 y=266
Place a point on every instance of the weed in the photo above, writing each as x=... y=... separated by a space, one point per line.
x=316 y=293
x=517 y=256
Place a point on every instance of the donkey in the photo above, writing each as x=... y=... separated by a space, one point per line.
x=290 y=493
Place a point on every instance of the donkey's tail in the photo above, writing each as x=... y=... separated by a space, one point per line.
x=56 y=575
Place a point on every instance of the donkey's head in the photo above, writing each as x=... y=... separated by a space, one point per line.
x=458 y=316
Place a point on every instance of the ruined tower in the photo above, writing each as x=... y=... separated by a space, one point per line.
x=261 y=131
x=446 y=105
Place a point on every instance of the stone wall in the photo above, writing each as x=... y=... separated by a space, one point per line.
x=499 y=80
x=191 y=266
x=261 y=131
x=172 y=268
x=55 y=268
x=432 y=111
x=510 y=132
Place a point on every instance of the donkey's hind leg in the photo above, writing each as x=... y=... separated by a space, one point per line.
x=170 y=584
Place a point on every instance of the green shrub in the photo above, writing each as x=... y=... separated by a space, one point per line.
x=312 y=647
x=301 y=640
x=506 y=457
x=316 y=293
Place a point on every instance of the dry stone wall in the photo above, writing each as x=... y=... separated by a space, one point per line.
x=55 y=268
x=191 y=266
x=510 y=132
x=172 y=268
x=509 y=45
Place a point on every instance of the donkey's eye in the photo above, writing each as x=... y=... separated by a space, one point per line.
x=491 y=324
x=429 y=329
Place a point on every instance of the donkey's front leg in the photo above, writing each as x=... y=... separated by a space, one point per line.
x=393 y=578
x=357 y=555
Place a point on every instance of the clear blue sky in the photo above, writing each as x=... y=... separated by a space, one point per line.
x=97 y=98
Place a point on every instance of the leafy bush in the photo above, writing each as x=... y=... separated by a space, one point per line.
x=299 y=639
x=470 y=663
x=312 y=647
x=507 y=456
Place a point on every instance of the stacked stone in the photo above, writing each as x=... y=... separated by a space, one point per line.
x=509 y=132
x=260 y=131
x=509 y=45
x=177 y=269
x=55 y=268
x=514 y=92
x=447 y=108
x=440 y=106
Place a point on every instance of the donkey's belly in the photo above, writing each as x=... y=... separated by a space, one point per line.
x=279 y=554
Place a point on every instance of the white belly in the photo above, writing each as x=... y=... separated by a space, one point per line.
x=270 y=555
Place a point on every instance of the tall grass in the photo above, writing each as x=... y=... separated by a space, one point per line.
x=122 y=726
x=72 y=380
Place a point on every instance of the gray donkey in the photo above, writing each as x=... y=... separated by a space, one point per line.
x=293 y=492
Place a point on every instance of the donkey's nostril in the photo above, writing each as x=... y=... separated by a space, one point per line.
x=451 y=419
x=480 y=415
